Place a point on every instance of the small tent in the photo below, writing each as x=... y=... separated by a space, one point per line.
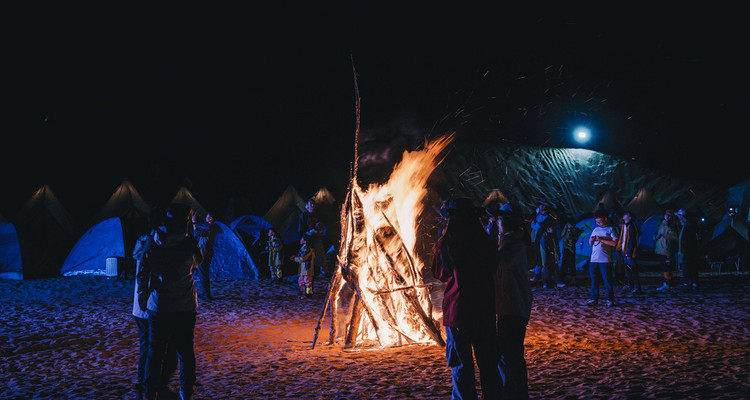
x=125 y=203
x=609 y=202
x=648 y=229
x=324 y=197
x=643 y=205
x=284 y=215
x=100 y=242
x=729 y=239
x=128 y=205
x=250 y=228
x=10 y=251
x=231 y=259
x=46 y=234
x=184 y=196
x=739 y=196
x=494 y=198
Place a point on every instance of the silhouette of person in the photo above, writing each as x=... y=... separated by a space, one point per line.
x=156 y=220
x=206 y=235
x=513 y=300
x=464 y=258
x=168 y=264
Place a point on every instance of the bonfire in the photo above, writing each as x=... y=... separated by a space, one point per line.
x=377 y=296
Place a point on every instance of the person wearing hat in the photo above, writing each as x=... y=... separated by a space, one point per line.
x=687 y=249
x=665 y=245
x=513 y=299
x=464 y=258
x=544 y=217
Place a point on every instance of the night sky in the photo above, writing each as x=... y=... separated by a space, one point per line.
x=245 y=100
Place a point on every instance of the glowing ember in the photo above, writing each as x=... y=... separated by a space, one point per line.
x=377 y=296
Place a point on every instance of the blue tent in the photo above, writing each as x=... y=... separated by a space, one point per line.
x=251 y=226
x=583 y=248
x=10 y=252
x=90 y=253
x=648 y=229
x=231 y=258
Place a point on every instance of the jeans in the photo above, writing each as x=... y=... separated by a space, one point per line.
x=601 y=270
x=549 y=275
x=458 y=352
x=169 y=365
x=567 y=265
x=205 y=281
x=167 y=328
x=632 y=268
x=511 y=333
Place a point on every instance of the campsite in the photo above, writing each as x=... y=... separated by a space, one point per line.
x=263 y=340
x=313 y=152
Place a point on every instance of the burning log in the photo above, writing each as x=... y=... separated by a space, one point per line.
x=389 y=304
x=377 y=273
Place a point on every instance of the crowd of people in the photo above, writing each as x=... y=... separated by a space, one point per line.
x=614 y=258
x=488 y=259
x=176 y=247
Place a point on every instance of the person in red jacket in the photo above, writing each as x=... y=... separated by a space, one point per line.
x=464 y=258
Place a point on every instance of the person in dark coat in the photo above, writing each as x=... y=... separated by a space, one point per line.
x=206 y=235
x=156 y=221
x=172 y=303
x=687 y=249
x=464 y=258
x=513 y=298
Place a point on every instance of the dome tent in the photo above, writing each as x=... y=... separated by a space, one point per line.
x=89 y=255
x=231 y=259
x=10 y=251
x=46 y=234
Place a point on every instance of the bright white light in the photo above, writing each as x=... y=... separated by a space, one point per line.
x=582 y=135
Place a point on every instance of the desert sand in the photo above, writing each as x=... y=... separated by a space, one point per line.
x=75 y=338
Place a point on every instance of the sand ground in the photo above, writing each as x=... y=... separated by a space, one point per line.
x=75 y=338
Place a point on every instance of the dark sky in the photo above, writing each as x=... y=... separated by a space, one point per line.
x=246 y=100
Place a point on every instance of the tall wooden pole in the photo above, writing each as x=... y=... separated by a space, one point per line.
x=356 y=126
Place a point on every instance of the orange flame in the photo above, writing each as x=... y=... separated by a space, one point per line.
x=388 y=302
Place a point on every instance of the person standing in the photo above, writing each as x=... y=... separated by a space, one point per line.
x=687 y=249
x=464 y=258
x=665 y=246
x=570 y=234
x=543 y=218
x=274 y=248
x=627 y=246
x=206 y=235
x=603 y=240
x=156 y=220
x=550 y=258
x=168 y=265
x=513 y=299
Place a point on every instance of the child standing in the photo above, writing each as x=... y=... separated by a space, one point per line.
x=306 y=259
